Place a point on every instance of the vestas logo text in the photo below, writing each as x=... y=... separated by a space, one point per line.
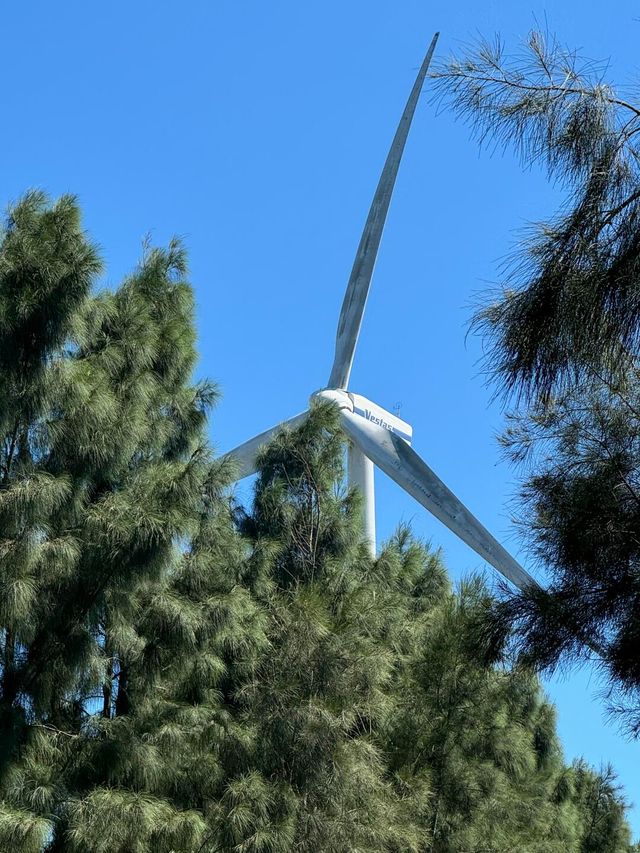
x=376 y=420
x=379 y=421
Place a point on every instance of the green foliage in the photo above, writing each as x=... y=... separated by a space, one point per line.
x=601 y=810
x=478 y=744
x=178 y=673
x=562 y=336
x=581 y=461
x=22 y=830
x=321 y=692
x=570 y=299
x=106 y=474
x=128 y=822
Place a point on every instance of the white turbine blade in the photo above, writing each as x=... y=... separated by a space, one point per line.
x=400 y=462
x=355 y=297
x=244 y=456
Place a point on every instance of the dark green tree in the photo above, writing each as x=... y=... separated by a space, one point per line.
x=113 y=638
x=601 y=811
x=379 y=724
x=570 y=298
x=580 y=501
x=562 y=338
x=179 y=674
x=480 y=743
x=318 y=778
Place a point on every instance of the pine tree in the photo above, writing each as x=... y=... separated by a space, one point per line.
x=477 y=743
x=603 y=827
x=562 y=340
x=106 y=473
x=162 y=763
x=372 y=700
x=580 y=461
x=569 y=301
x=317 y=780
x=180 y=674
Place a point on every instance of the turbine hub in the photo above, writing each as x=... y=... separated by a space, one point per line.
x=340 y=398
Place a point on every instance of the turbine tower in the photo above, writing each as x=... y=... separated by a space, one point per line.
x=377 y=437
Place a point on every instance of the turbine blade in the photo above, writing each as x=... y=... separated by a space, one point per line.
x=244 y=456
x=400 y=462
x=355 y=297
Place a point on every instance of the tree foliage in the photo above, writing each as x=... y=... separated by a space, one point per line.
x=562 y=338
x=602 y=825
x=580 y=501
x=180 y=673
x=570 y=299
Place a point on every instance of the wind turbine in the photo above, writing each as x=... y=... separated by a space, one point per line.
x=377 y=437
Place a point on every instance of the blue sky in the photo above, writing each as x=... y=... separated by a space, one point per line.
x=257 y=132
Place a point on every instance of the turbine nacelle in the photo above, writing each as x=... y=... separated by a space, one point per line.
x=359 y=405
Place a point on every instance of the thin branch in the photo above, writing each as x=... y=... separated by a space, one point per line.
x=505 y=80
x=54 y=730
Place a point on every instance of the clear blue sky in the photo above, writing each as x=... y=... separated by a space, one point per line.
x=257 y=132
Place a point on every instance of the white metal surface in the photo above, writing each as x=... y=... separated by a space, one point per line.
x=402 y=464
x=361 y=474
x=355 y=298
x=379 y=416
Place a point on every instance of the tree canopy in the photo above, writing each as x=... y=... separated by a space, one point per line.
x=570 y=297
x=182 y=673
x=562 y=336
